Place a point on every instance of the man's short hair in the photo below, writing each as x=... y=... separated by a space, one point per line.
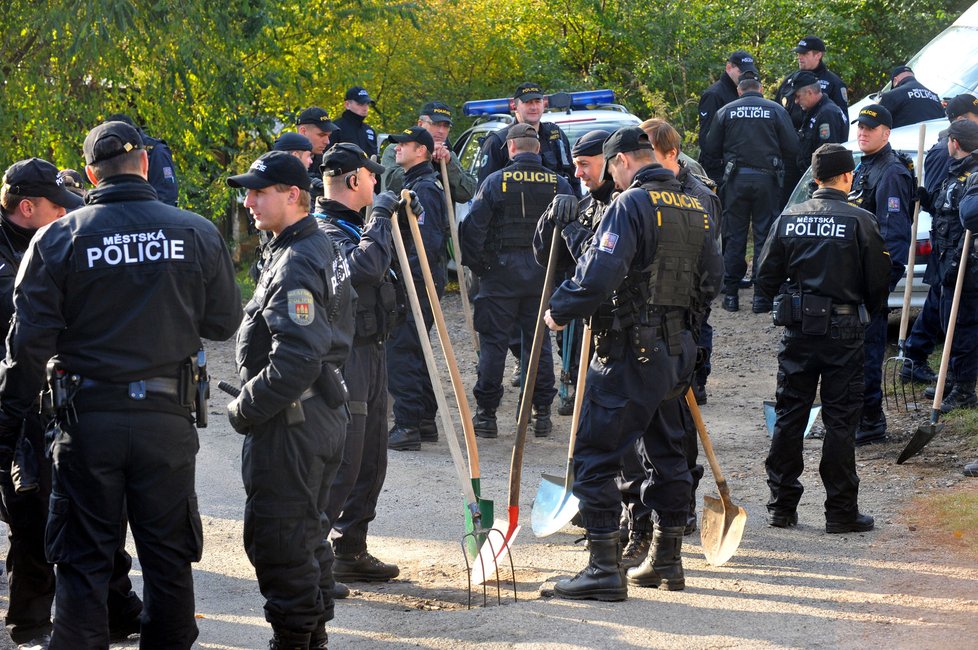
x=305 y=200
x=526 y=145
x=127 y=163
x=748 y=85
x=10 y=201
x=663 y=135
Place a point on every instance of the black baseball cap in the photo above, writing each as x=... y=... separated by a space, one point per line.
x=318 y=117
x=347 y=157
x=961 y=105
x=809 y=44
x=292 y=142
x=527 y=91
x=873 y=116
x=802 y=79
x=110 y=139
x=417 y=134
x=900 y=69
x=273 y=168
x=749 y=74
x=438 y=112
x=521 y=130
x=629 y=138
x=966 y=133
x=73 y=181
x=590 y=143
x=743 y=60
x=358 y=94
x=830 y=160
x=37 y=177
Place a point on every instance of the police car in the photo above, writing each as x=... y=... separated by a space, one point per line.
x=902 y=139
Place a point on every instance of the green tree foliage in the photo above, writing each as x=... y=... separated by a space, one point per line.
x=219 y=81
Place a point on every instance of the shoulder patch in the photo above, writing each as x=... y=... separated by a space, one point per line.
x=484 y=161
x=893 y=204
x=302 y=309
x=824 y=131
x=608 y=242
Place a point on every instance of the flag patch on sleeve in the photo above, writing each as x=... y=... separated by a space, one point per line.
x=893 y=204
x=608 y=242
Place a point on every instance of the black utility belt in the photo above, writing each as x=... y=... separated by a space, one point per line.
x=811 y=315
x=136 y=390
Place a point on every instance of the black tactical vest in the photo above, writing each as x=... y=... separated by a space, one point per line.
x=682 y=225
x=527 y=191
x=863 y=194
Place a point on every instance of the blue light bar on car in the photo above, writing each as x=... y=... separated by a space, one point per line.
x=579 y=100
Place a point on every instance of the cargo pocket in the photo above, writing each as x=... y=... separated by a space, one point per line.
x=277 y=532
x=195 y=543
x=56 y=533
x=604 y=420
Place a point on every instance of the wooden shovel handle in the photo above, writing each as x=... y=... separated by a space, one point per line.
x=582 y=367
x=446 y=343
x=463 y=290
x=952 y=319
x=694 y=409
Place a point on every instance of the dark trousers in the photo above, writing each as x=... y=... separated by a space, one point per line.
x=494 y=317
x=751 y=197
x=620 y=404
x=927 y=328
x=964 y=347
x=140 y=462
x=705 y=342
x=802 y=362
x=569 y=349
x=353 y=497
x=287 y=473
x=875 y=350
x=672 y=415
x=409 y=383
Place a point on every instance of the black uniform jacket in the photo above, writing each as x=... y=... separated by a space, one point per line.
x=554 y=150
x=831 y=85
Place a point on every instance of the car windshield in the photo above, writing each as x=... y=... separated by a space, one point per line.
x=932 y=63
x=575 y=128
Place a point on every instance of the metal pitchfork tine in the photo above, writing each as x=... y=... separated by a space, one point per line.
x=894 y=366
x=486 y=535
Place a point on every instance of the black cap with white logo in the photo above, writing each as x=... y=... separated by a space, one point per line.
x=36 y=177
x=273 y=168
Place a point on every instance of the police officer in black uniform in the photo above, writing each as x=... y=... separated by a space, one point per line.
x=909 y=101
x=823 y=122
x=314 y=124
x=830 y=255
x=753 y=136
x=528 y=104
x=719 y=94
x=296 y=334
x=496 y=238
x=128 y=441
x=162 y=175
x=969 y=217
x=352 y=126
x=884 y=185
x=640 y=283
x=410 y=385
x=349 y=180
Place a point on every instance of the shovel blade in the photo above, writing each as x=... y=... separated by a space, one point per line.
x=722 y=529
x=486 y=511
x=923 y=435
x=496 y=548
x=553 y=507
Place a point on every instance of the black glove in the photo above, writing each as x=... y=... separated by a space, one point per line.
x=385 y=204
x=923 y=196
x=416 y=208
x=563 y=210
x=238 y=421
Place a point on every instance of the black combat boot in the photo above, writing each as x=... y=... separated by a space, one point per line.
x=872 y=427
x=637 y=548
x=566 y=406
x=363 y=567
x=731 y=302
x=602 y=578
x=404 y=438
x=288 y=640
x=542 y=426
x=484 y=423
x=319 y=640
x=962 y=396
x=664 y=565
x=917 y=371
x=428 y=430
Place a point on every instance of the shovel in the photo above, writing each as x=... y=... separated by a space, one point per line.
x=491 y=553
x=723 y=520
x=473 y=515
x=485 y=506
x=926 y=432
x=463 y=288
x=555 y=505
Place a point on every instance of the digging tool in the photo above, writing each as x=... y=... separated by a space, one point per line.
x=463 y=288
x=485 y=505
x=926 y=432
x=723 y=520
x=894 y=365
x=489 y=555
x=555 y=505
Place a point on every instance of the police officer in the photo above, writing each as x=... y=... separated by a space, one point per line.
x=129 y=443
x=162 y=174
x=927 y=329
x=297 y=332
x=528 y=104
x=496 y=238
x=947 y=233
x=297 y=145
x=753 y=136
x=352 y=126
x=832 y=258
x=908 y=100
x=719 y=94
x=969 y=218
x=823 y=121
x=315 y=125
x=349 y=180
x=884 y=185
x=410 y=386
x=436 y=118
x=640 y=312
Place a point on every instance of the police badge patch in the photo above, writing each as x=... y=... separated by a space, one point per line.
x=893 y=204
x=608 y=242
x=824 y=131
x=302 y=309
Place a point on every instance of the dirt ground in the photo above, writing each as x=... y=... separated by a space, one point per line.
x=905 y=584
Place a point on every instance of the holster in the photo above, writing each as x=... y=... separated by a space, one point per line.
x=193 y=386
x=332 y=386
x=25 y=472
x=786 y=310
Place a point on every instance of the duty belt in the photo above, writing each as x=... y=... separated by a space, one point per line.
x=845 y=310
x=137 y=390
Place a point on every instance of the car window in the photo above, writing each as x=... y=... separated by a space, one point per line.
x=933 y=63
x=576 y=128
x=469 y=156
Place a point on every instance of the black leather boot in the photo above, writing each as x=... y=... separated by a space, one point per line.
x=404 y=438
x=637 y=548
x=602 y=578
x=484 y=423
x=428 y=430
x=288 y=640
x=664 y=565
x=319 y=640
x=962 y=396
x=542 y=426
